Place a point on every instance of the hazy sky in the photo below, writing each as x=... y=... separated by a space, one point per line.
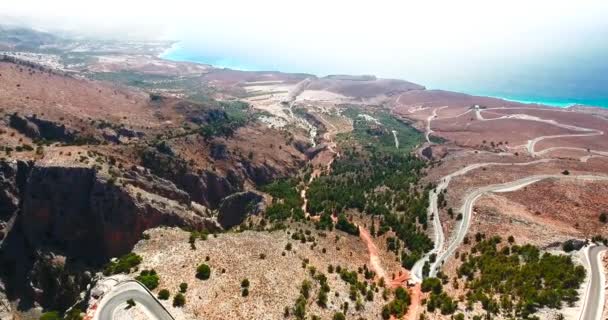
x=431 y=42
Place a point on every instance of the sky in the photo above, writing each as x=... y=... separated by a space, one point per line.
x=446 y=44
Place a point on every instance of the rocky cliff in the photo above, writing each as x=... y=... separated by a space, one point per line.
x=88 y=215
x=235 y=208
x=61 y=220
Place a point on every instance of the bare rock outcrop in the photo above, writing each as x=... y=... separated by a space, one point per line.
x=235 y=208
x=9 y=193
x=209 y=188
x=69 y=220
x=88 y=216
x=205 y=187
x=313 y=151
x=37 y=128
x=141 y=178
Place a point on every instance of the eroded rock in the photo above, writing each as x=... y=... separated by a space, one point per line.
x=234 y=209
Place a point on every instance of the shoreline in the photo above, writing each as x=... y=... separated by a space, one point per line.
x=165 y=55
x=174 y=46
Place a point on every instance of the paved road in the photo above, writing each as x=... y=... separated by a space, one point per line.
x=439 y=238
x=116 y=299
x=469 y=201
x=594 y=303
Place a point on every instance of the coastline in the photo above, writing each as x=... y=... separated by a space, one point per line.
x=167 y=51
x=169 y=54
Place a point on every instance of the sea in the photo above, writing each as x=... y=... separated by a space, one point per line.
x=540 y=86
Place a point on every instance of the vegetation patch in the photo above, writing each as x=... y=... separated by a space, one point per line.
x=203 y=272
x=148 y=278
x=286 y=200
x=233 y=116
x=516 y=281
x=123 y=264
x=376 y=178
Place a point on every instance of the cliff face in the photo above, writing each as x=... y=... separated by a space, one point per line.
x=12 y=179
x=208 y=187
x=9 y=194
x=88 y=216
x=59 y=221
x=235 y=208
x=36 y=128
x=56 y=210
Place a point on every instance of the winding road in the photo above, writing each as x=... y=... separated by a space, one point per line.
x=116 y=300
x=433 y=210
x=471 y=197
x=595 y=295
x=530 y=146
x=594 y=299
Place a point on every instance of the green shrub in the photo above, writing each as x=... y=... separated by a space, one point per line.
x=344 y=225
x=74 y=314
x=149 y=278
x=300 y=308
x=122 y=265
x=245 y=283
x=51 y=315
x=203 y=272
x=322 y=299
x=305 y=288
x=183 y=287
x=338 y=316
x=163 y=294
x=179 y=300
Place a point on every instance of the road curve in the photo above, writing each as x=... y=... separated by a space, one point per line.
x=433 y=210
x=130 y=289
x=530 y=146
x=471 y=197
x=595 y=295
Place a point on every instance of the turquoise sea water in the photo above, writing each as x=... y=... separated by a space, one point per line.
x=574 y=87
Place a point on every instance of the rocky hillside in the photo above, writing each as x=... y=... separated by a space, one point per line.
x=81 y=179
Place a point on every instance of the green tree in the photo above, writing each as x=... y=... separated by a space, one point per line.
x=431 y=284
